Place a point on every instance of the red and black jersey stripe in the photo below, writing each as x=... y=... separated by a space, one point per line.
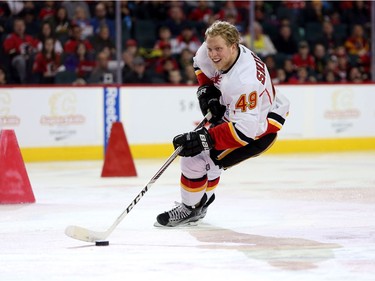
x=201 y=77
x=275 y=123
x=226 y=136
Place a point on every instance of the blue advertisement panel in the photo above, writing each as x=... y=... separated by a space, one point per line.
x=111 y=110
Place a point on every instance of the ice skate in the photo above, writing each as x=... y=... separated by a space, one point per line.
x=181 y=215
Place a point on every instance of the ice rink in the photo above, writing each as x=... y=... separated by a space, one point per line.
x=275 y=217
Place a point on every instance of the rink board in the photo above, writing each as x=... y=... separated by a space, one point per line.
x=71 y=123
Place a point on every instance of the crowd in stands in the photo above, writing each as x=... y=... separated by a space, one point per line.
x=74 y=42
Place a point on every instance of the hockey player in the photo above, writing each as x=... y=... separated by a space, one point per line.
x=247 y=112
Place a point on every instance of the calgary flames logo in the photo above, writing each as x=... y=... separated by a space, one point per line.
x=216 y=79
x=7 y=119
x=62 y=111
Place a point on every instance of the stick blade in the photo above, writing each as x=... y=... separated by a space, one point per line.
x=83 y=234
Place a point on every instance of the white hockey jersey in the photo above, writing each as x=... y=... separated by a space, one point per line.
x=253 y=105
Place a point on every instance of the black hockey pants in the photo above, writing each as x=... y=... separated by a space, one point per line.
x=228 y=158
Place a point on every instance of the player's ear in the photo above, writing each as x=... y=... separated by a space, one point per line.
x=234 y=46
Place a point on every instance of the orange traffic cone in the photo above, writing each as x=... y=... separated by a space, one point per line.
x=118 y=160
x=14 y=182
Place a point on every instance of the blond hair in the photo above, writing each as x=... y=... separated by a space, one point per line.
x=224 y=29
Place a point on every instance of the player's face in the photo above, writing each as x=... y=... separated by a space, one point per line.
x=221 y=55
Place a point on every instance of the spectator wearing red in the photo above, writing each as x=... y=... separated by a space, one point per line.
x=294 y=5
x=70 y=46
x=166 y=62
x=302 y=76
x=186 y=39
x=47 y=63
x=296 y=8
x=132 y=47
x=47 y=11
x=21 y=49
x=201 y=13
x=4 y=10
x=303 y=58
x=165 y=37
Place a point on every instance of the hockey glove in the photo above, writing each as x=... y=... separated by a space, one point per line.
x=208 y=97
x=193 y=142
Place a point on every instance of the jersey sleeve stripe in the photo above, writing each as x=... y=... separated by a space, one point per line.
x=202 y=78
x=235 y=135
x=275 y=123
x=225 y=153
x=276 y=117
x=226 y=136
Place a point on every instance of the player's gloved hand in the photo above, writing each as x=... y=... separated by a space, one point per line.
x=208 y=97
x=217 y=110
x=193 y=142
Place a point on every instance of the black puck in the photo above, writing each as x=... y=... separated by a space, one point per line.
x=101 y=243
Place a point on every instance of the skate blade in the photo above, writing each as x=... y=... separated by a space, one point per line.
x=188 y=224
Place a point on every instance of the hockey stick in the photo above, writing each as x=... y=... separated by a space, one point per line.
x=87 y=235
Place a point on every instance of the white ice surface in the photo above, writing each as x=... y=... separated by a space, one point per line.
x=286 y=217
